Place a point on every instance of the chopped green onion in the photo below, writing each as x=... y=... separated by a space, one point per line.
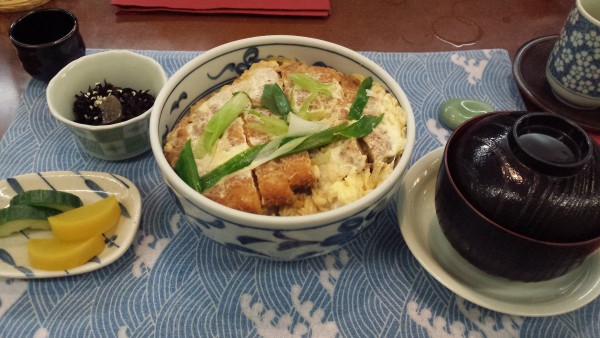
x=237 y=162
x=363 y=127
x=291 y=145
x=274 y=149
x=186 y=168
x=319 y=139
x=304 y=81
x=360 y=101
x=274 y=99
x=269 y=124
x=312 y=115
x=269 y=148
x=306 y=104
x=300 y=126
x=220 y=121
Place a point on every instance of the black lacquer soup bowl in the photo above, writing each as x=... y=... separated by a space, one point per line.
x=518 y=194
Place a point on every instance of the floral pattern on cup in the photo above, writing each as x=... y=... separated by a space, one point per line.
x=575 y=59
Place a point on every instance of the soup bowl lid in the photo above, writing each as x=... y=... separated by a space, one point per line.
x=537 y=174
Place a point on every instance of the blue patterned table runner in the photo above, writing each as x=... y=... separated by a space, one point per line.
x=174 y=282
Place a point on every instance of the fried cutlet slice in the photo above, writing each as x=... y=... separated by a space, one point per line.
x=189 y=127
x=387 y=140
x=278 y=180
x=254 y=135
x=271 y=180
x=273 y=185
x=320 y=105
x=350 y=85
x=299 y=172
x=238 y=192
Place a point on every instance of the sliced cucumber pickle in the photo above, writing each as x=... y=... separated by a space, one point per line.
x=20 y=217
x=54 y=199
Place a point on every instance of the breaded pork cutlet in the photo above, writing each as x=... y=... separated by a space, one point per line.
x=278 y=180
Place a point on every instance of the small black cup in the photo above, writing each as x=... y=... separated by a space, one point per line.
x=46 y=40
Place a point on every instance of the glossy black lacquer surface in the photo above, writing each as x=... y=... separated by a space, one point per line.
x=538 y=179
x=518 y=194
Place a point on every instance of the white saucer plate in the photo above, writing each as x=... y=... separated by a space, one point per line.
x=90 y=186
x=425 y=239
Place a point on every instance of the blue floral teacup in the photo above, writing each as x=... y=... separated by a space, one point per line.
x=573 y=68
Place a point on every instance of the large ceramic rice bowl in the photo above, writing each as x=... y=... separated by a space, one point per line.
x=275 y=237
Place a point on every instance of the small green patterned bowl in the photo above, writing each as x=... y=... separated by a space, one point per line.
x=123 y=69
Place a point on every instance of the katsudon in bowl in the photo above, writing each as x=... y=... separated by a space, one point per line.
x=282 y=147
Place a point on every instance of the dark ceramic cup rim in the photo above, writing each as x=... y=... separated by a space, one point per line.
x=454 y=187
x=68 y=35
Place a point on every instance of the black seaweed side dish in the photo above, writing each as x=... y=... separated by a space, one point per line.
x=93 y=107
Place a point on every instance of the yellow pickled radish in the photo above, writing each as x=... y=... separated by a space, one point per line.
x=87 y=221
x=54 y=254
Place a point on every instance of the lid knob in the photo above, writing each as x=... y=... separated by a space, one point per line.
x=550 y=144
